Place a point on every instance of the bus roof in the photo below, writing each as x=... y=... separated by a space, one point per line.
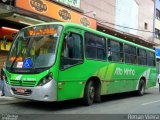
x=69 y=24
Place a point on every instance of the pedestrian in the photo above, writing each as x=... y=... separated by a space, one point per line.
x=159 y=82
x=2 y=81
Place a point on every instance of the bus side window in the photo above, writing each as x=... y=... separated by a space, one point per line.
x=109 y=53
x=130 y=54
x=115 y=51
x=71 y=53
x=142 y=56
x=95 y=46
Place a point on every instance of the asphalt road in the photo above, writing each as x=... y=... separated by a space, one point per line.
x=126 y=104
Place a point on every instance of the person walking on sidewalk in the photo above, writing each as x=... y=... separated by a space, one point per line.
x=2 y=81
x=159 y=82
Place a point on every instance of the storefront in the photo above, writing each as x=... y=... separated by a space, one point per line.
x=7 y=32
x=29 y=12
x=55 y=11
x=10 y=23
x=6 y=38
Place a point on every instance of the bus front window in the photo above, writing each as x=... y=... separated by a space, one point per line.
x=34 y=47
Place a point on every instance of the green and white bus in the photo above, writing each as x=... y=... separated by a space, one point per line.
x=61 y=61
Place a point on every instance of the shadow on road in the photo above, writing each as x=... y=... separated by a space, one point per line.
x=50 y=106
x=119 y=96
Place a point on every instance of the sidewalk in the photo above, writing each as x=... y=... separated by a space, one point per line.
x=157 y=85
x=9 y=100
x=5 y=97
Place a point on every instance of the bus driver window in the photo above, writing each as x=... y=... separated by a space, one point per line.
x=67 y=47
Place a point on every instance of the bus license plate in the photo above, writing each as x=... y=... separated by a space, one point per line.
x=20 y=90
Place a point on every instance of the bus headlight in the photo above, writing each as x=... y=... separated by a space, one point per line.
x=46 y=79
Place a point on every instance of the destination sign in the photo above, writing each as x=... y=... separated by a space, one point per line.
x=41 y=31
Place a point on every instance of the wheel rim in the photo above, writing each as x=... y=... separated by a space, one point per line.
x=142 y=89
x=91 y=92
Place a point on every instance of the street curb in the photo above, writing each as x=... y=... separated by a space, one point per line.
x=9 y=100
x=5 y=97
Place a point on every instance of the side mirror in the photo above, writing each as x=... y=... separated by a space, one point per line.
x=4 y=42
x=69 y=42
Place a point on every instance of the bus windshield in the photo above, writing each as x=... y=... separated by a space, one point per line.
x=34 y=47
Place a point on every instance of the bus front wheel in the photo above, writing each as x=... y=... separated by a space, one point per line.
x=89 y=93
x=141 y=87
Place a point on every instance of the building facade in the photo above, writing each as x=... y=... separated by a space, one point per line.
x=124 y=18
x=157 y=24
x=157 y=21
x=157 y=33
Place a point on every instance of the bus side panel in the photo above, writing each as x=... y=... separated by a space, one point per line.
x=125 y=77
x=119 y=78
x=152 y=78
x=71 y=81
x=115 y=78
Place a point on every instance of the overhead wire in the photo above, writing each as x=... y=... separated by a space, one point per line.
x=101 y=21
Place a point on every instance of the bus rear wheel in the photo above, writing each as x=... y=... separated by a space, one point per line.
x=141 y=88
x=89 y=93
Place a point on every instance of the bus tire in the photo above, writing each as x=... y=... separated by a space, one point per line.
x=97 y=96
x=89 y=93
x=141 y=88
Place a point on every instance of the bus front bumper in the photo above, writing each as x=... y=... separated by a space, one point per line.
x=46 y=92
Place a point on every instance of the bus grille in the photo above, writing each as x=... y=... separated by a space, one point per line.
x=23 y=83
x=25 y=94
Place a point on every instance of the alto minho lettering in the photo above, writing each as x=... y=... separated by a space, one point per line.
x=64 y=14
x=38 y=5
x=84 y=21
x=125 y=71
